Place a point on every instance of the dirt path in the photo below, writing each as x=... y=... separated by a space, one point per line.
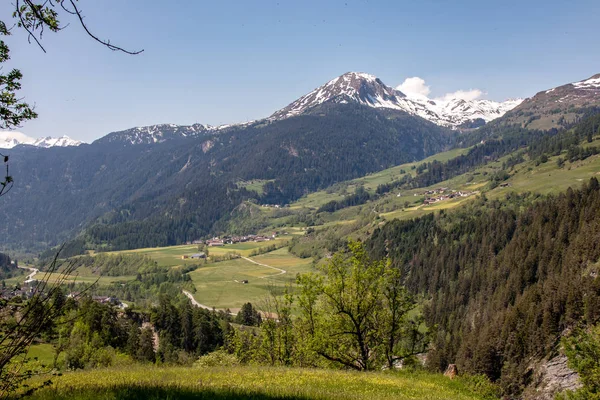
x=281 y=271
x=31 y=275
x=195 y=303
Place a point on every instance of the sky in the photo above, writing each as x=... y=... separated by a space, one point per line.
x=228 y=61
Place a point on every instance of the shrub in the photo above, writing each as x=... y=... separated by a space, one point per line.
x=218 y=358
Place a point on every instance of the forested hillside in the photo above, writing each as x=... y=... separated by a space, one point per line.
x=504 y=278
x=172 y=192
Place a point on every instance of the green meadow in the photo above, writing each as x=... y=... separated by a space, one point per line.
x=225 y=383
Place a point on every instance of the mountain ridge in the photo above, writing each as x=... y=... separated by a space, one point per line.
x=10 y=139
x=351 y=87
x=369 y=90
x=556 y=107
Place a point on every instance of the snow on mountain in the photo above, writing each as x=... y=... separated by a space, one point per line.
x=154 y=134
x=591 y=83
x=161 y=133
x=10 y=139
x=557 y=107
x=369 y=90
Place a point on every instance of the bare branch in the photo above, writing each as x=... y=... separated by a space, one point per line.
x=105 y=43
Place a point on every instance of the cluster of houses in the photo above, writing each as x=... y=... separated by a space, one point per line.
x=196 y=256
x=443 y=194
x=24 y=292
x=222 y=241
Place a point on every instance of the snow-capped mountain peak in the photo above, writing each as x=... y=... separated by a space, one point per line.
x=62 y=141
x=10 y=139
x=370 y=91
x=354 y=87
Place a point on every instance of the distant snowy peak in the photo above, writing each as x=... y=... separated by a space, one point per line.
x=457 y=112
x=63 y=141
x=159 y=133
x=370 y=91
x=10 y=139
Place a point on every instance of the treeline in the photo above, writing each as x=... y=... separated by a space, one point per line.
x=569 y=141
x=360 y=196
x=90 y=334
x=149 y=279
x=114 y=264
x=504 y=279
x=6 y=269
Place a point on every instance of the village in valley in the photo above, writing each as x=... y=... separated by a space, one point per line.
x=220 y=241
x=441 y=194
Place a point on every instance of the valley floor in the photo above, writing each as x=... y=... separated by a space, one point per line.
x=147 y=382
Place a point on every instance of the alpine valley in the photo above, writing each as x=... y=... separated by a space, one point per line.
x=486 y=212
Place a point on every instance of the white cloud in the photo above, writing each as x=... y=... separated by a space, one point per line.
x=472 y=94
x=414 y=85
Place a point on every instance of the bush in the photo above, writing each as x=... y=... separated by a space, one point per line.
x=218 y=358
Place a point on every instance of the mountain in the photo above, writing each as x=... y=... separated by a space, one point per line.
x=368 y=90
x=10 y=139
x=352 y=87
x=159 y=133
x=180 y=183
x=63 y=141
x=557 y=107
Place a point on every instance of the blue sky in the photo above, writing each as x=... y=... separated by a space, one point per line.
x=231 y=61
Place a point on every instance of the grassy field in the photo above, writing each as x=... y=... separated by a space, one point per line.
x=224 y=383
x=171 y=256
x=549 y=178
x=219 y=284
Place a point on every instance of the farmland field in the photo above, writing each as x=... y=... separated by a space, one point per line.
x=221 y=383
x=220 y=284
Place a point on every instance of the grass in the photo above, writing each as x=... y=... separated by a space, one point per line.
x=219 y=284
x=549 y=178
x=171 y=256
x=255 y=185
x=225 y=383
x=43 y=353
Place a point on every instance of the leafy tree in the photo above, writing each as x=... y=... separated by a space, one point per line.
x=355 y=312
